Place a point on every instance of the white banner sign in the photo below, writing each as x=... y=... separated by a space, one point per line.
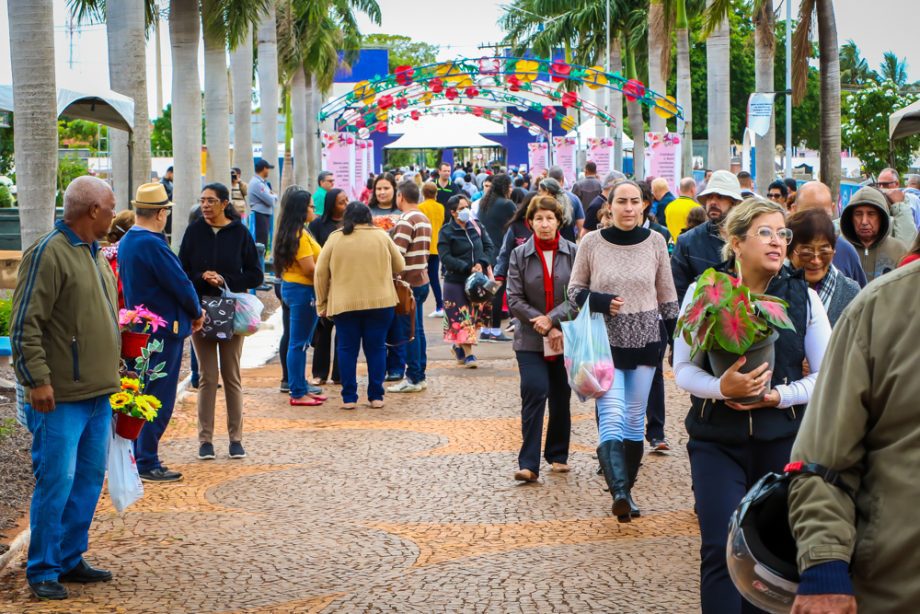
x=760 y=110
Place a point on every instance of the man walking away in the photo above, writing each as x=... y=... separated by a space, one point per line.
x=588 y=188
x=262 y=201
x=65 y=342
x=676 y=215
x=153 y=276
x=661 y=192
x=412 y=236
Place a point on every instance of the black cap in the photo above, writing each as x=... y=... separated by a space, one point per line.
x=261 y=165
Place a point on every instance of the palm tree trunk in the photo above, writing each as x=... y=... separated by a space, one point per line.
x=128 y=76
x=299 y=106
x=216 y=110
x=717 y=93
x=636 y=120
x=656 y=42
x=312 y=142
x=829 y=68
x=268 y=90
x=35 y=139
x=241 y=76
x=287 y=169
x=616 y=104
x=184 y=32
x=684 y=96
x=764 y=48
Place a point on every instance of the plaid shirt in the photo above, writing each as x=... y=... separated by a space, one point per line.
x=825 y=287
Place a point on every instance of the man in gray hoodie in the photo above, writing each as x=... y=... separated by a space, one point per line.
x=866 y=223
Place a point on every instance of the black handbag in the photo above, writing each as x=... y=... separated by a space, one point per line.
x=218 y=317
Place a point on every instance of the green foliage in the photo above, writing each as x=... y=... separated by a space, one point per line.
x=7 y=426
x=80 y=133
x=6 y=147
x=404 y=51
x=6 y=197
x=69 y=168
x=6 y=308
x=161 y=135
x=865 y=126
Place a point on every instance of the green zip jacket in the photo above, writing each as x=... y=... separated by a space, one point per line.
x=863 y=421
x=64 y=324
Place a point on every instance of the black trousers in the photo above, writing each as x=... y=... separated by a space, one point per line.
x=322 y=351
x=654 y=412
x=543 y=381
x=263 y=223
x=498 y=302
x=722 y=474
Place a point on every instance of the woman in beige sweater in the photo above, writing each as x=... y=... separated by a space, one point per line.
x=354 y=287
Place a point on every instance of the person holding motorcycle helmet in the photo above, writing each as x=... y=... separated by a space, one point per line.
x=733 y=445
x=465 y=248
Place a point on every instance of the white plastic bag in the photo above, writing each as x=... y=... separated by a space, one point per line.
x=248 y=316
x=587 y=355
x=125 y=486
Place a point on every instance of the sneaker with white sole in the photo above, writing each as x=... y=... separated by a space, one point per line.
x=206 y=451
x=423 y=384
x=404 y=386
x=236 y=450
x=470 y=362
x=459 y=354
x=437 y=313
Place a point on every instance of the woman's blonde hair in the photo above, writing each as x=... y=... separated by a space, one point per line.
x=120 y=226
x=741 y=217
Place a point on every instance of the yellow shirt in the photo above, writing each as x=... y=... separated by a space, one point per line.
x=676 y=214
x=308 y=247
x=434 y=211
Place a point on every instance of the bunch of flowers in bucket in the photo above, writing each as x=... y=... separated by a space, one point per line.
x=136 y=325
x=132 y=406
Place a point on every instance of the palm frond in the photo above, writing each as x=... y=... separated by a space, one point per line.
x=802 y=50
x=714 y=14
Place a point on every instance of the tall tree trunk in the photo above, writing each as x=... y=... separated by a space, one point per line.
x=184 y=32
x=656 y=42
x=268 y=91
x=35 y=138
x=128 y=76
x=216 y=110
x=241 y=76
x=636 y=121
x=159 y=66
x=829 y=67
x=300 y=97
x=287 y=169
x=684 y=97
x=764 y=51
x=616 y=104
x=314 y=150
x=718 y=90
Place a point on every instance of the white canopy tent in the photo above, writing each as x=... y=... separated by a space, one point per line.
x=444 y=132
x=904 y=122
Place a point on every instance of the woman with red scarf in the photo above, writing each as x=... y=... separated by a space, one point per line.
x=538 y=276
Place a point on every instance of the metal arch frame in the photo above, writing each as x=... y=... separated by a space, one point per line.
x=459 y=108
x=498 y=67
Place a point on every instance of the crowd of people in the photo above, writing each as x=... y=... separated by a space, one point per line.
x=489 y=246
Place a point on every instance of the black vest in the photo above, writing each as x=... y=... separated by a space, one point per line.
x=710 y=420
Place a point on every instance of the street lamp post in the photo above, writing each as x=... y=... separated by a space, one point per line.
x=788 y=172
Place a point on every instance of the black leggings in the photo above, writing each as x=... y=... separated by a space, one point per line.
x=498 y=302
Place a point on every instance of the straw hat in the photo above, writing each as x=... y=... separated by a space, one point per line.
x=724 y=183
x=151 y=196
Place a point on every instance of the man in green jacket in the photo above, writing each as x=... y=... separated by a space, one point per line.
x=65 y=341
x=863 y=423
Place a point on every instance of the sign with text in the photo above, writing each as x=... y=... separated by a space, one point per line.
x=760 y=111
x=564 y=155
x=537 y=157
x=662 y=157
x=600 y=151
x=339 y=159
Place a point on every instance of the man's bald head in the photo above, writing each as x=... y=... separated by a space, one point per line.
x=688 y=187
x=815 y=195
x=89 y=206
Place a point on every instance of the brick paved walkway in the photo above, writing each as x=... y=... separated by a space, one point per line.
x=411 y=508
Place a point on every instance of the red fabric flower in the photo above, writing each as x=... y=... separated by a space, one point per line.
x=634 y=89
x=549 y=112
x=385 y=102
x=514 y=83
x=360 y=123
x=415 y=115
x=451 y=93
x=559 y=71
x=436 y=85
x=382 y=127
x=569 y=99
x=478 y=111
x=471 y=92
x=404 y=74
x=402 y=103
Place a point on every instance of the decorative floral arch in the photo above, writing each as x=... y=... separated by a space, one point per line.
x=494 y=115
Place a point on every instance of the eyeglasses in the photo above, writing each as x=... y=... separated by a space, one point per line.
x=766 y=235
x=774 y=195
x=208 y=201
x=807 y=253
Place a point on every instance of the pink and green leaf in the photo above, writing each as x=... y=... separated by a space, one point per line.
x=775 y=313
x=734 y=330
x=695 y=314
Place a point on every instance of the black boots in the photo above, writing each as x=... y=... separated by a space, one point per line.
x=634 y=451
x=612 y=456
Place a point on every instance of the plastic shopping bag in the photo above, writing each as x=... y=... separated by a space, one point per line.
x=587 y=355
x=125 y=486
x=248 y=316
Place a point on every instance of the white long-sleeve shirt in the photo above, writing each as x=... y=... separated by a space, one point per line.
x=690 y=377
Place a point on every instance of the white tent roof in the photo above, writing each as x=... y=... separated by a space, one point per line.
x=587 y=129
x=904 y=122
x=441 y=131
x=78 y=102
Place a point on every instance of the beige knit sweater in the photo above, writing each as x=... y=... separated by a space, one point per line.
x=355 y=271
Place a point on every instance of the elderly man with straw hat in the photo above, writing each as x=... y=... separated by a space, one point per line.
x=701 y=248
x=152 y=276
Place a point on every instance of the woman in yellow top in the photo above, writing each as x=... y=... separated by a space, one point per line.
x=295 y=255
x=434 y=211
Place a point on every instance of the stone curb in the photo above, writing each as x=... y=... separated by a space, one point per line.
x=20 y=543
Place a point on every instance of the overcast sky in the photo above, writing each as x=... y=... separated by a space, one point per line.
x=460 y=27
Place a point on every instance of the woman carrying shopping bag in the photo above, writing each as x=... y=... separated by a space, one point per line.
x=538 y=274
x=624 y=273
x=218 y=251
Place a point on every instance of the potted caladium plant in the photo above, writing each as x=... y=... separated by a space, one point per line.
x=726 y=320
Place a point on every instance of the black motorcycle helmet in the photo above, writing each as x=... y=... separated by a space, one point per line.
x=761 y=551
x=479 y=288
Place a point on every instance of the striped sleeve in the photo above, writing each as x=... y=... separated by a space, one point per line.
x=33 y=302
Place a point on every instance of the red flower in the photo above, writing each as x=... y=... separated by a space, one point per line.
x=634 y=89
x=385 y=102
x=478 y=111
x=514 y=83
x=471 y=92
x=415 y=114
x=401 y=103
x=569 y=99
x=382 y=127
x=559 y=71
x=451 y=93
x=360 y=123
x=436 y=85
x=549 y=112
x=404 y=74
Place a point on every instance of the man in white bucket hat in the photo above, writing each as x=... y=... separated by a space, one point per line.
x=701 y=248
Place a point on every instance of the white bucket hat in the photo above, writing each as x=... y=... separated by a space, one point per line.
x=724 y=183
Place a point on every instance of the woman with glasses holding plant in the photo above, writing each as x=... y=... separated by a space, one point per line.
x=812 y=249
x=218 y=251
x=733 y=444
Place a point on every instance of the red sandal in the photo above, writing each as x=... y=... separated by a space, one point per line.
x=305 y=402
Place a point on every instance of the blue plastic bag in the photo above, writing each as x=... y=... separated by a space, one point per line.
x=587 y=356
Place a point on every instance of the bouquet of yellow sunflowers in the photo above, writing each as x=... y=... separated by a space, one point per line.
x=131 y=405
x=132 y=402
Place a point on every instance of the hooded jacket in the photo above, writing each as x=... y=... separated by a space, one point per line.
x=886 y=252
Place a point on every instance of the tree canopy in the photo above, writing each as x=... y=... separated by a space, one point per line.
x=404 y=51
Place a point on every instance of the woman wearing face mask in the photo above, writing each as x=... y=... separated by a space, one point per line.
x=464 y=248
x=624 y=273
x=732 y=445
x=538 y=275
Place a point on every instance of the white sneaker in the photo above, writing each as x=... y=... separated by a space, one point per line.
x=437 y=313
x=423 y=384
x=404 y=386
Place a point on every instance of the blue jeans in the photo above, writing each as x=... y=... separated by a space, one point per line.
x=70 y=446
x=367 y=327
x=301 y=300
x=397 y=346
x=621 y=411
x=417 y=349
x=147 y=445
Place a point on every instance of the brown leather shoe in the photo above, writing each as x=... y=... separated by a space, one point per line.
x=560 y=468
x=525 y=475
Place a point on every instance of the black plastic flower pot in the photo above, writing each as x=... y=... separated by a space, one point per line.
x=761 y=352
